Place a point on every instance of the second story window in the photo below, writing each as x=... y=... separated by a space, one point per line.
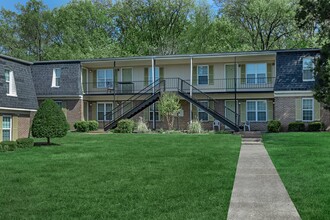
x=150 y=74
x=56 y=82
x=256 y=73
x=10 y=83
x=308 y=69
x=105 y=78
x=7 y=80
x=203 y=74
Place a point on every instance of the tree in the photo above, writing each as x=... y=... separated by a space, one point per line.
x=169 y=106
x=49 y=121
x=315 y=14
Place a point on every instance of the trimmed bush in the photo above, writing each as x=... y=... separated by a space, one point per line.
x=25 y=142
x=9 y=145
x=125 y=126
x=315 y=126
x=195 y=127
x=274 y=126
x=81 y=126
x=93 y=125
x=296 y=126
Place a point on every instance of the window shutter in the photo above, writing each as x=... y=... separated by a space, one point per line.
x=194 y=113
x=12 y=86
x=269 y=72
x=194 y=79
x=146 y=74
x=243 y=73
x=94 y=111
x=243 y=111
x=15 y=127
x=211 y=106
x=94 y=74
x=317 y=111
x=161 y=73
x=211 y=75
x=270 y=110
x=298 y=109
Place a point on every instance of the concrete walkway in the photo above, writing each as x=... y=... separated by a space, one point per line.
x=258 y=191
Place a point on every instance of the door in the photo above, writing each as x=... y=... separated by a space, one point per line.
x=230 y=110
x=230 y=76
x=127 y=86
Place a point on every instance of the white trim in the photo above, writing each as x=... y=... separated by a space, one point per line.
x=208 y=74
x=256 y=111
x=104 y=108
x=302 y=109
x=293 y=93
x=18 y=109
x=60 y=96
x=10 y=129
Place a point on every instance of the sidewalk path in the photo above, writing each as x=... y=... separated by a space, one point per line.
x=258 y=191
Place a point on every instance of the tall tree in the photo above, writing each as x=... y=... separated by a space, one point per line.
x=315 y=14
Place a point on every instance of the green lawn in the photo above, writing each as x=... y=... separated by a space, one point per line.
x=121 y=176
x=303 y=162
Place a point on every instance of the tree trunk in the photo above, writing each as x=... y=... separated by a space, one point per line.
x=48 y=141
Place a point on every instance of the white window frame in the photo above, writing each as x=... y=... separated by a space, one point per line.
x=255 y=74
x=157 y=74
x=105 y=80
x=302 y=109
x=10 y=128
x=56 y=80
x=312 y=69
x=202 y=111
x=11 y=83
x=256 y=111
x=104 y=110
x=208 y=74
x=156 y=112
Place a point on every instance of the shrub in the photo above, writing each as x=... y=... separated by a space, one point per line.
x=9 y=145
x=274 y=126
x=49 y=121
x=125 y=126
x=296 y=126
x=315 y=126
x=25 y=142
x=81 y=126
x=195 y=127
x=141 y=126
x=93 y=125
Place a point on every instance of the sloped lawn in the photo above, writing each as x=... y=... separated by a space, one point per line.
x=119 y=176
x=303 y=162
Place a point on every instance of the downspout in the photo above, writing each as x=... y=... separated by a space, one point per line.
x=235 y=103
x=191 y=75
x=153 y=92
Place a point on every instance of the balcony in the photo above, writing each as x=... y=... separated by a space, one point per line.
x=213 y=86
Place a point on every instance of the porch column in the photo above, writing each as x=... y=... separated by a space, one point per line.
x=191 y=75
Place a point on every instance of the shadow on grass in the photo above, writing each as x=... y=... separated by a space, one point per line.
x=45 y=144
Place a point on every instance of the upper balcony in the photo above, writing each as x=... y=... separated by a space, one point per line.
x=264 y=84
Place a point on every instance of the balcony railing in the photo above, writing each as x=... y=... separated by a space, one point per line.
x=215 y=85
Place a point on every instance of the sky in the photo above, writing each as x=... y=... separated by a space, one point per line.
x=10 y=4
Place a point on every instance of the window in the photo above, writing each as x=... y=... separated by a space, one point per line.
x=256 y=110
x=307 y=109
x=56 y=77
x=203 y=75
x=151 y=113
x=6 y=128
x=256 y=73
x=150 y=74
x=105 y=78
x=10 y=83
x=59 y=103
x=103 y=111
x=308 y=69
x=202 y=115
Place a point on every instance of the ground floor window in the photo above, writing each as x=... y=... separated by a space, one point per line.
x=103 y=111
x=307 y=109
x=59 y=103
x=202 y=115
x=151 y=112
x=6 y=128
x=256 y=110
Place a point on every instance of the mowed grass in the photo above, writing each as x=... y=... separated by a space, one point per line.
x=303 y=162
x=121 y=176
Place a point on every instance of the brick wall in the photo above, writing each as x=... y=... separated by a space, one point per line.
x=74 y=111
x=24 y=123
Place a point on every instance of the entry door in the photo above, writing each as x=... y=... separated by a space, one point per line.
x=230 y=110
x=230 y=76
x=127 y=85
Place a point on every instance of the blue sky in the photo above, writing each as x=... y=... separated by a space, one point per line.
x=10 y=4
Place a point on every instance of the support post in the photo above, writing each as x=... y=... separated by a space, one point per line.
x=153 y=70
x=236 y=120
x=191 y=76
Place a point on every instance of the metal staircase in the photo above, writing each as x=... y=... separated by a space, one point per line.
x=128 y=109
